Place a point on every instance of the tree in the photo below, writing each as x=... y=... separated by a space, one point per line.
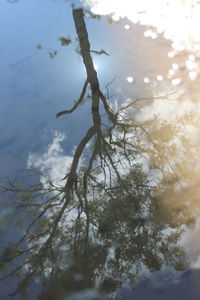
x=107 y=214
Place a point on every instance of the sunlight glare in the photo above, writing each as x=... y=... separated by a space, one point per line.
x=159 y=77
x=171 y=72
x=115 y=17
x=177 y=20
x=175 y=66
x=170 y=54
x=192 y=75
x=146 y=80
x=130 y=79
x=127 y=27
x=176 y=81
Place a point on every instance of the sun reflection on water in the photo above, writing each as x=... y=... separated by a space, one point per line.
x=178 y=21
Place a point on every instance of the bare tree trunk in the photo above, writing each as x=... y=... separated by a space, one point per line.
x=88 y=62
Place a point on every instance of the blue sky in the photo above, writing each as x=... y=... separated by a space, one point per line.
x=33 y=87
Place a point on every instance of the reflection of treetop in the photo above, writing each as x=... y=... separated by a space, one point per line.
x=65 y=41
x=106 y=222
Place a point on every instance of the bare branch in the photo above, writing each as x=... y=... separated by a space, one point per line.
x=80 y=100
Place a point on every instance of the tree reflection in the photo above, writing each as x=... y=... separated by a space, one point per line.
x=110 y=219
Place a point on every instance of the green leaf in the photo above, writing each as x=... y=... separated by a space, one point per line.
x=11 y=252
x=65 y=41
x=3 y=268
x=38 y=46
x=51 y=55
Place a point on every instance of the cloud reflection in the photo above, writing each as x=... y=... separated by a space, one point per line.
x=180 y=201
x=54 y=163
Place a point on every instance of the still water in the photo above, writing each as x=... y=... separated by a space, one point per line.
x=99 y=159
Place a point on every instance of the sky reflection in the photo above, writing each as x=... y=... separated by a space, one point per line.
x=160 y=62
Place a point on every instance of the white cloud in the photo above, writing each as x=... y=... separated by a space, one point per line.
x=54 y=163
x=191 y=243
